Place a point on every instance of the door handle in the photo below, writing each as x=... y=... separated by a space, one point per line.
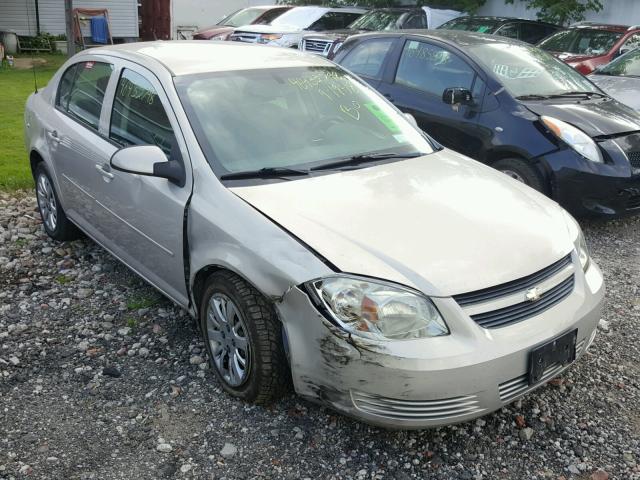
x=53 y=135
x=103 y=172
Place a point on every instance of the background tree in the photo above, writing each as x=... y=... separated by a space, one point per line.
x=561 y=12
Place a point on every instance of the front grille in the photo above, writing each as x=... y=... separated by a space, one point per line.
x=246 y=37
x=521 y=311
x=634 y=160
x=517 y=386
x=514 y=286
x=321 y=47
x=441 y=409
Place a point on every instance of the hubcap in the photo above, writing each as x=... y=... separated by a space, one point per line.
x=228 y=339
x=515 y=175
x=47 y=202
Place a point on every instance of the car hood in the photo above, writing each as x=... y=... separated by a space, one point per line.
x=269 y=29
x=211 y=31
x=594 y=117
x=334 y=34
x=441 y=223
x=623 y=89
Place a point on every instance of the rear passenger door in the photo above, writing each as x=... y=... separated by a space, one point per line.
x=424 y=70
x=74 y=138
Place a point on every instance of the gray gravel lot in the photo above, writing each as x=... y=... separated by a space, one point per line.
x=101 y=378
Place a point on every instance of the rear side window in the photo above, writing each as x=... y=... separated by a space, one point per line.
x=367 y=58
x=432 y=69
x=510 y=30
x=533 y=32
x=415 y=21
x=138 y=117
x=84 y=102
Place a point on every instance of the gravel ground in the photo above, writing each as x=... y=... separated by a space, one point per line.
x=101 y=378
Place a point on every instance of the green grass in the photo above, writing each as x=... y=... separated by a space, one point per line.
x=15 y=86
x=138 y=302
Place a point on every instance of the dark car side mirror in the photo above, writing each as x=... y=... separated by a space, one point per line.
x=148 y=160
x=457 y=96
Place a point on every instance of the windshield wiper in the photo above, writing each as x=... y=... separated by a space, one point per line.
x=358 y=159
x=267 y=172
x=532 y=96
x=576 y=94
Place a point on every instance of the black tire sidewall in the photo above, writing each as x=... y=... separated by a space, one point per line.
x=249 y=389
x=529 y=173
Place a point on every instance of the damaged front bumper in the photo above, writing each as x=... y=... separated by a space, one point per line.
x=434 y=381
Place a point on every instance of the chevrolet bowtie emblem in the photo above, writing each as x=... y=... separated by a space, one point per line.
x=533 y=294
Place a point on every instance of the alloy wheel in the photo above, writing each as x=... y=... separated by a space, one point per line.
x=47 y=202
x=227 y=335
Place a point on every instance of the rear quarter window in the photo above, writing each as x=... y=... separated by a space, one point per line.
x=86 y=93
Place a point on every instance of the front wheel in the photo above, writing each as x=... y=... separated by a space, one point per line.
x=55 y=222
x=243 y=338
x=522 y=171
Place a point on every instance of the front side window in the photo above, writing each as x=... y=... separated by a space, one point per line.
x=334 y=21
x=432 y=69
x=627 y=65
x=377 y=20
x=510 y=30
x=138 y=117
x=90 y=82
x=415 y=21
x=270 y=15
x=470 y=24
x=367 y=58
x=242 y=17
x=528 y=71
x=581 y=41
x=297 y=117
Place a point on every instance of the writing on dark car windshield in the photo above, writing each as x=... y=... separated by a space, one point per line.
x=293 y=118
x=526 y=71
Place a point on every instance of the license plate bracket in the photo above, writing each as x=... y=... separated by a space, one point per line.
x=561 y=350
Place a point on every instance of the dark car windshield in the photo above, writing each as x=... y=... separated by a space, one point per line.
x=471 y=24
x=528 y=71
x=246 y=16
x=581 y=41
x=377 y=20
x=298 y=117
x=628 y=65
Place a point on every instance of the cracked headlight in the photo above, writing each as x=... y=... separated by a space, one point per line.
x=378 y=310
x=574 y=137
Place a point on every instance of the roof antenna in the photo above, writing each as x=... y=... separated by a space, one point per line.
x=33 y=63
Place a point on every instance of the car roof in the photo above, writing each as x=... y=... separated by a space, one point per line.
x=503 y=19
x=332 y=9
x=604 y=26
x=461 y=38
x=184 y=57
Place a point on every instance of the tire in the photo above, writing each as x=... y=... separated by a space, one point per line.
x=522 y=171
x=54 y=220
x=266 y=375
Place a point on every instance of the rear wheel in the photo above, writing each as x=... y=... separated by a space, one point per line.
x=522 y=171
x=55 y=222
x=243 y=338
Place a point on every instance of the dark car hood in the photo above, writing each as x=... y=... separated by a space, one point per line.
x=335 y=34
x=594 y=117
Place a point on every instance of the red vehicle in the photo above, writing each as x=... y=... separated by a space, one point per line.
x=246 y=16
x=586 y=46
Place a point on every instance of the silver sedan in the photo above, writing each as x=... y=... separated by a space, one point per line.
x=317 y=236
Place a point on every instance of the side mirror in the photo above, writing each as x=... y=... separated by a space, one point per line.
x=411 y=119
x=148 y=160
x=457 y=96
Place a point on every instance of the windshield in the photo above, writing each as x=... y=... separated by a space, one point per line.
x=526 y=70
x=470 y=24
x=242 y=17
x=581 y=41
x=299 y=17
x=291 y=117
x=377 y=20
x=628 y=65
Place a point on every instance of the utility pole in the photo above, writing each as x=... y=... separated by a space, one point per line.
x=68 y=15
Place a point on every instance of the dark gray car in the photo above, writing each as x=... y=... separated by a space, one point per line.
x=621 y=78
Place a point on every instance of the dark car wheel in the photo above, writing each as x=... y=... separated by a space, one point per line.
x=243 y=338
x=55 y=222
x=520 y=170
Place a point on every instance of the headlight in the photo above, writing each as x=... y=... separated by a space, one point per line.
x=270 y=37
x=574 y=137
x=583 y=251
x=378 y=310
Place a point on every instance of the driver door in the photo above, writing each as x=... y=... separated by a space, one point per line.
x=143 y=216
